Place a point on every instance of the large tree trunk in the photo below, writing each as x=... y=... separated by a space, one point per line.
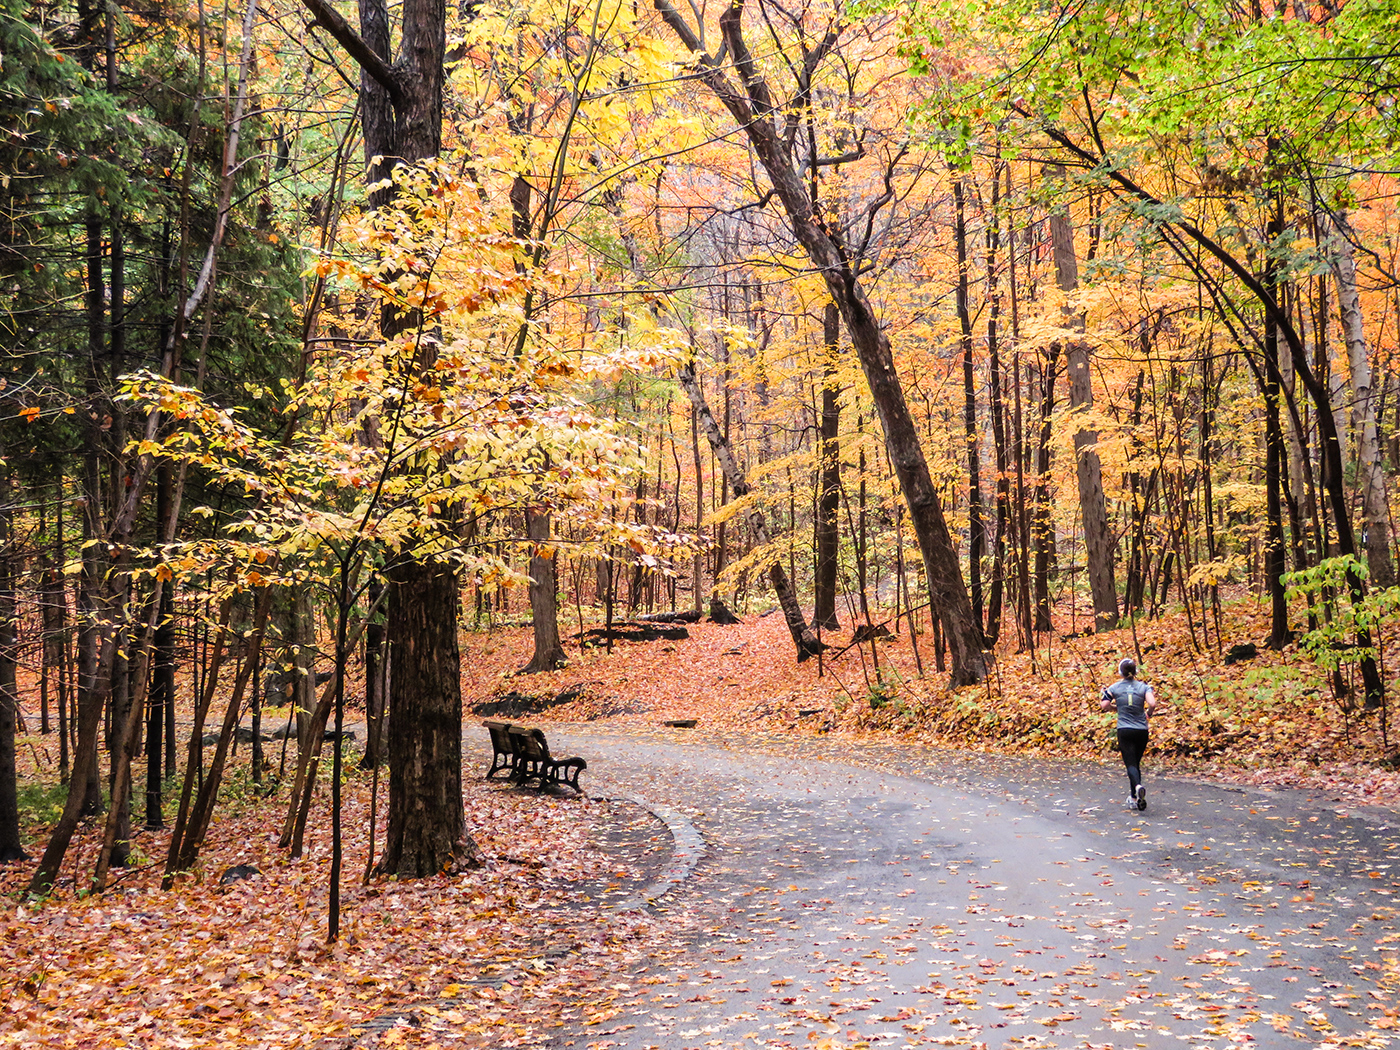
x=1375 y=512
x=827 y=534
x=426 y=832
x=755 y=111
x=1098 y=541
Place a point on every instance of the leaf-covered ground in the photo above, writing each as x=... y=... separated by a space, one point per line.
x=529 y=940
x=1271 y=719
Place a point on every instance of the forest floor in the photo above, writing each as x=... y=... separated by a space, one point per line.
x=533 y=937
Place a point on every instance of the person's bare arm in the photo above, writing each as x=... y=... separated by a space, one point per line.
x=1149 y=702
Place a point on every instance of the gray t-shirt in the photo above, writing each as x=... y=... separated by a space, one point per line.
x=1131 y=696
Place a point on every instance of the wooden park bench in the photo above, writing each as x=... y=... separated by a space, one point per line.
x=503 y=754
x=525 y=752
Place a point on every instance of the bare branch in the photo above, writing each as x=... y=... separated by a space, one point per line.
x=329 y=19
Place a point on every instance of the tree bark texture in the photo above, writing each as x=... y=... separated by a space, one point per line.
x=998 y=414
x=1274 y=550
x=1042 y=519
x=1098 y=541
x=426 y=832
x=1375 y=511
x=544 y=599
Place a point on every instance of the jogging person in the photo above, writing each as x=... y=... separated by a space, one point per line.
x=1134 y=701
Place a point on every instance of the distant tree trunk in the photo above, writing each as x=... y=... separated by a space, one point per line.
x=827 y=532
x=44 y=565
x=1022 y=448
x=162 y=690
x=54 y=596
x=376 y=664
x=861 y=530
x=998 y=412
x=1098 y=541
x=544 y=602
x=185 y=848
x=122 y=726
x=698 y=564
x=89 y=715
x=1375 y=511
x=11 y=848
x=802 y=636
x=972 y=438
x=92 y=608
x=1275 y=552
x=1042 y=520
x=302 y=673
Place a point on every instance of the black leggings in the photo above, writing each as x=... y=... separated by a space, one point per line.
x=1132 y=742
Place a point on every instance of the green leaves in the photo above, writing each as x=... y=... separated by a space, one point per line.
x=1345 y=615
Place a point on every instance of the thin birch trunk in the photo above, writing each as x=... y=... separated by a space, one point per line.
x=1375 y=513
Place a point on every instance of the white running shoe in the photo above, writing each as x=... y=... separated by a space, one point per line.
x=1141 y=797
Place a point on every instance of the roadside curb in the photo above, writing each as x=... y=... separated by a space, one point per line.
x=688 y=846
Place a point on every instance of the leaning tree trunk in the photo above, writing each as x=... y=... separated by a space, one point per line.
x=1329 y=439
x=802 y=636
x=1098 y=541
x=755 y=111
x=1375 y=511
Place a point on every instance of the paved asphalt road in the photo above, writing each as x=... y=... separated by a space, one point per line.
x=893 y=896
